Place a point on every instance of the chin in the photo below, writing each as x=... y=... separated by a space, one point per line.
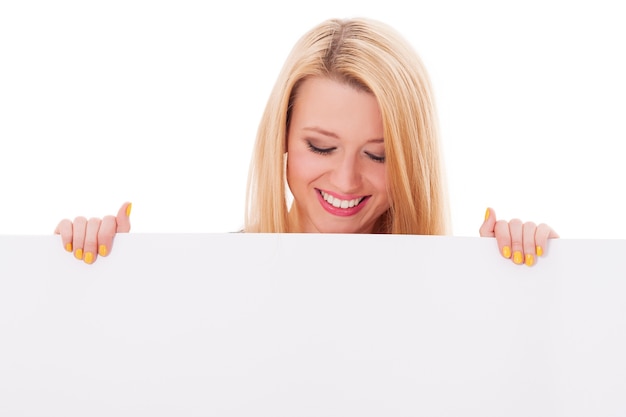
x=344 y=229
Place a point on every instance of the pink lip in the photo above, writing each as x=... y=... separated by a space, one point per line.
x=338 y=211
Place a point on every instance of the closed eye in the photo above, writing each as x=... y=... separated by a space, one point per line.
x=375 y=158
x=318 y=150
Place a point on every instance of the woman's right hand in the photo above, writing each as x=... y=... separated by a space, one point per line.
x=89 y=238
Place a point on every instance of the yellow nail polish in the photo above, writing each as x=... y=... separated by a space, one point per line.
x=88 y=257
x=78 y=254
x=517 y=257
x=128 y=208
x=530 y=259
x=487 y=215
x=506 y=252
x=102 y=250
x=539 y=250
x=68 y=247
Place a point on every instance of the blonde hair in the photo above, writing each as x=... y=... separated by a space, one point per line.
x=371 y=56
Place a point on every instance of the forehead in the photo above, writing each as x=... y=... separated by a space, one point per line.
x=334 y=105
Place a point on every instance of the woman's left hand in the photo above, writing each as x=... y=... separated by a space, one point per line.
x=521 y=242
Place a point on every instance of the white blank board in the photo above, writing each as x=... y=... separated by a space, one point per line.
x=311 y=325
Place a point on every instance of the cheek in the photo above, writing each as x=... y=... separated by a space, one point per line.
x=299 y=168
x=304 y=165
x=378 y=177
x=379 y=182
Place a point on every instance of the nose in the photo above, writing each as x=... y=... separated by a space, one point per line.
x=346 y=175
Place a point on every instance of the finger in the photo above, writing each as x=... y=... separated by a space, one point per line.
x=517 y=241
x=91 y=240
x=528 y=236
x=503 y=237
x=105 y=235
x=487 y=228
x=123 y=218
x=65 y=229
x=78 y=236
x=543 y=233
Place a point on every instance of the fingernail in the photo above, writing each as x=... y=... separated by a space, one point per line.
x=68 y=247
x=78 y=254
x=128 y=208
x=487 y=215
x=102 y=250
x=517 y=257
x=539 y=251
x=506 y=252
x=530 y=259
x=88 y=257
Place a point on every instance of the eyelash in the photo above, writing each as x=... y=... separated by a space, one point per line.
x=375 y=158
x=327 y=151
x=321 y=151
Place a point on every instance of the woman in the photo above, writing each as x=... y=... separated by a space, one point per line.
x=351 y=127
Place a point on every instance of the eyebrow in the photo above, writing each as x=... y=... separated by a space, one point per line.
x=334 y=135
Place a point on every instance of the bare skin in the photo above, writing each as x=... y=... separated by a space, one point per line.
x=88 y=239
x=522 y=242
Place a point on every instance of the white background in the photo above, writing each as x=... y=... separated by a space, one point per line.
x=157 y=102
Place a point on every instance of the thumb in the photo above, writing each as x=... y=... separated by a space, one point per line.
x=488 y=226
x=123 y=218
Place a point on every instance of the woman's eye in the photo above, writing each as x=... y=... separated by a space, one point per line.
x=321 y=151
x=375 y=158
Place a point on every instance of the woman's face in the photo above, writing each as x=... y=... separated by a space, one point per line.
x=336 y=159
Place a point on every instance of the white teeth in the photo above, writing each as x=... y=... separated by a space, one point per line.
x=336 y=202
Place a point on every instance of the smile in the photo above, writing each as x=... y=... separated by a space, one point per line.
x=340 y=207
x=338 y=203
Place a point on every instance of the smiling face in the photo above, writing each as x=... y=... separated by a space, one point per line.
x=336 y=159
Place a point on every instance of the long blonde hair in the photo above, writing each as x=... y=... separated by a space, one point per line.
x=371 y=56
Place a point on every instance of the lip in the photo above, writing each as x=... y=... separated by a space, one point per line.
x=338 y=211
